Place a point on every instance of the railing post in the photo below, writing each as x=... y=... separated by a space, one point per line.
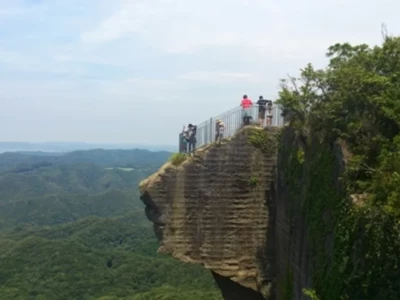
x=211 y=139
x=233 y=120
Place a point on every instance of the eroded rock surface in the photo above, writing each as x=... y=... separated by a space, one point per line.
x=217 y=209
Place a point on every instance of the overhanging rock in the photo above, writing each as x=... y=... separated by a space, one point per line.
x=217 y=208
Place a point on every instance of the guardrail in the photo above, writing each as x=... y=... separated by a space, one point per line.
x=233 y=120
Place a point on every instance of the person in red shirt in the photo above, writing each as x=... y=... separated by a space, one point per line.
x=246 y=105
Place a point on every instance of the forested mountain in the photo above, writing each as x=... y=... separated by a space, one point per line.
x=89 y=259
x=54 y=147
x=72 y=227
x=136 y=158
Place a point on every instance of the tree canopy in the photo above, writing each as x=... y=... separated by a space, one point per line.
x=355 y=100
x=72 y=226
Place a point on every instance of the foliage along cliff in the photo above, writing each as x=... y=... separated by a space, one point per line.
x=339 y=184
x=331 y=229
x=215 y=209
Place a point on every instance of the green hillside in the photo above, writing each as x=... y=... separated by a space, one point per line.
x=62 y=208
x=136 y=158
x=62 y=193
x=86 y=178
x=72 y=227
x=90 y=258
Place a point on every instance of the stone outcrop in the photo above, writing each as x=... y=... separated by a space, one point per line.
x=217 y=209
x=305 y=185
x=268 y=224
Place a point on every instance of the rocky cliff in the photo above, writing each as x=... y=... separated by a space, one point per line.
x=217 y=209
x=266 y=212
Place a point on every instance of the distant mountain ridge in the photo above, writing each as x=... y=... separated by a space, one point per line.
x=73 y=146
x=135 y=158
x=72 y=227
x=45 y=189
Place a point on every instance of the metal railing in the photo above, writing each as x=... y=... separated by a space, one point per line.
x=233 y=120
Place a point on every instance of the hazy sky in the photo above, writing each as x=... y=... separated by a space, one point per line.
x=137 y=70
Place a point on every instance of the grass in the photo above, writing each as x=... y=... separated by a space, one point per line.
x=262 y=140
x=178 y=158
x=253 y=181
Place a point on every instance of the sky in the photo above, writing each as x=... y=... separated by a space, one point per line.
x=136 y=71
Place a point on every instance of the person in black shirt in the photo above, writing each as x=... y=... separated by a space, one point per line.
x=192 y=137
x=269 y=113
x=262 y=107
x=183 y=140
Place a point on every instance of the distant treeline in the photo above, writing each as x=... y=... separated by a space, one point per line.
x=136 y=158
x=72 y=226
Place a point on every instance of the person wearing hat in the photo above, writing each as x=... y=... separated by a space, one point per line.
x=219 y=130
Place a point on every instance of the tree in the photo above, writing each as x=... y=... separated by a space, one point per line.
x=356 y=99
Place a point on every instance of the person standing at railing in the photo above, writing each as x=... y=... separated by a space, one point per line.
x=269 y=114
x=246 y=105
x=192 y=137
x=219 y=130
x=262 y=108
x=183 y=140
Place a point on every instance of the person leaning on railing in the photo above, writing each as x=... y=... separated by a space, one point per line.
x=246 y=105
x=219 y=130
x=192 y=137
x=269 y=114
x=183 y=140
x=262 y=108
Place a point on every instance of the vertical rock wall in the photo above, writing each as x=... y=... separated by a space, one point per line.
x=308 y=194
x=242 y=210
x=217 y=209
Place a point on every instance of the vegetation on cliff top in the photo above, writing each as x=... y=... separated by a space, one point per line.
x=354 y=100
x=263 y=140
x=178 y=158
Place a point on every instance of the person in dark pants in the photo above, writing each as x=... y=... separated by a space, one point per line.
x=262 y=108
x=219 y=130
x=269 y=113
x=246 y=105
x=192 y=137
x=183 y=141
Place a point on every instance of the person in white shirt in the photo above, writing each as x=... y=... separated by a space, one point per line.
x=219 y=130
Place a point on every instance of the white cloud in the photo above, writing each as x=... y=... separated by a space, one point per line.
x=113 y=61
x=151 y=83
x=178 y=26
x=12 y=11
x=12 y=8
x=221 y=77
x=182 y=26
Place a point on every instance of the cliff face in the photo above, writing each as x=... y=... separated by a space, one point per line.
x=310 y=202
x=272 y=221
x=217 y=209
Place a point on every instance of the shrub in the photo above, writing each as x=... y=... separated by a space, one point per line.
x=253 y=181
x=262 y=140
x=178 y=158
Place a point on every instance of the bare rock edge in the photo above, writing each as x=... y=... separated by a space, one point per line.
x=217 y=209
